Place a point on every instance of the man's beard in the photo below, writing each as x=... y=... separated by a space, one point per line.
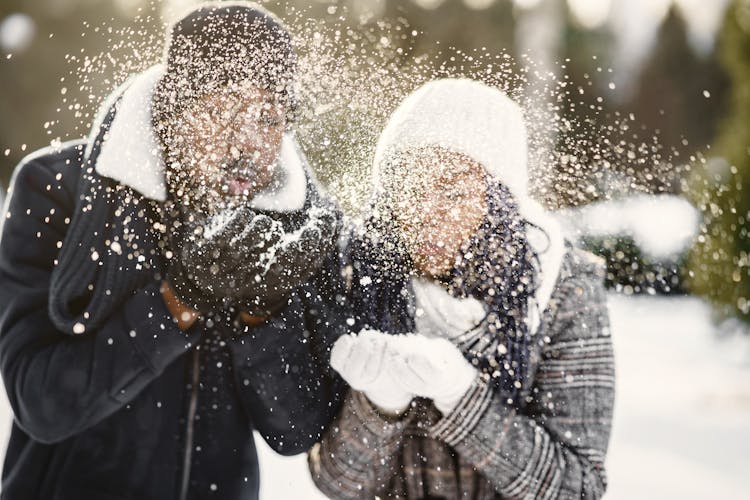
x=207 y=190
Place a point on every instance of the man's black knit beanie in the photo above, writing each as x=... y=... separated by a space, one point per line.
x=219 y=43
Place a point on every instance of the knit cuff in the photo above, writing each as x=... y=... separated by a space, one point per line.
x=153 y=330
x=375 y=422
x=463 y=419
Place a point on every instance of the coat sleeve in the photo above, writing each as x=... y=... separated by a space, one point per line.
x=358 y=454
x=556 y=447
x=287 y=387
x=59 y=385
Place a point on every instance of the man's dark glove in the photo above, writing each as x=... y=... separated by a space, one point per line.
x=247 y=258
x=282 y=253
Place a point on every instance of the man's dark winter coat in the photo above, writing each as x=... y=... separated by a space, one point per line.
x=139 y=409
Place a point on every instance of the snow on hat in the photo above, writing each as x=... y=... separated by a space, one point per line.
x=484 y=124
x=464 y=116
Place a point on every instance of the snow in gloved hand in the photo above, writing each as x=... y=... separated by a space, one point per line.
x=254 y=259
x=392 y=369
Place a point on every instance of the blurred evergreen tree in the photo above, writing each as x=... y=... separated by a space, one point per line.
x=670 y=98
x=720 y=261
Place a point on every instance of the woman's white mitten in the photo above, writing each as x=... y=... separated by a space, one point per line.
x=362 y=361
x=431 y=368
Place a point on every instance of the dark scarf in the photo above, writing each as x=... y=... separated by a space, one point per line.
x=381 y=270
x=110 y=251
x=496 y=266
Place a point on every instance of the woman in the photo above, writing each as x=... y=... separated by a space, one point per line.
x=484 y=368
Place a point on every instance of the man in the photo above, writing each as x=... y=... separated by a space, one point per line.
x=171 y=284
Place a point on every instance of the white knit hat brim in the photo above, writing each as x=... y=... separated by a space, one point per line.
x=464 y=116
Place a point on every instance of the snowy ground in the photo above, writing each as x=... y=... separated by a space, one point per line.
x=682 y=423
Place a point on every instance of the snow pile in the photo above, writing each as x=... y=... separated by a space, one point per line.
x=662 y=226
x=682 y=402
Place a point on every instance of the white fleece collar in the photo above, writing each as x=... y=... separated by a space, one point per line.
x=548 y=242
x=132 y=155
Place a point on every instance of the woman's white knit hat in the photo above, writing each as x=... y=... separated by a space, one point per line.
x=464 y=116
x=483 y=123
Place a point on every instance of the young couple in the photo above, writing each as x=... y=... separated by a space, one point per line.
x=180 y=280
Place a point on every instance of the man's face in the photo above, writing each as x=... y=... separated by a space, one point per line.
x=441 y=203
x=225 y=146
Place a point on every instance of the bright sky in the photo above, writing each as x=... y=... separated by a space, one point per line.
x=635 y=23
x=641 y=17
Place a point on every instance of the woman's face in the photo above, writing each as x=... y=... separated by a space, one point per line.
x=440 y=205
x=227 y=143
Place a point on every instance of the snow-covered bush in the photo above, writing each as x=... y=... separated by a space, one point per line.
x=644 y=239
